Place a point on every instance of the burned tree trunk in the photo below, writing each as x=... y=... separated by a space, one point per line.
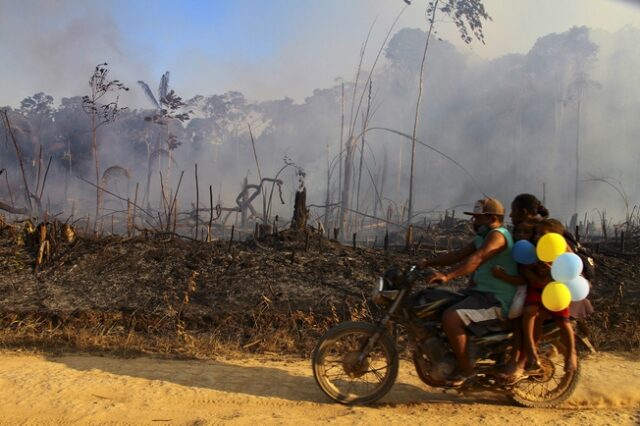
x=300 y=213
x=346 y=186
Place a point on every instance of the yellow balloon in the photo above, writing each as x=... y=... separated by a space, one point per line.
x=550 y=246
x=556 y=296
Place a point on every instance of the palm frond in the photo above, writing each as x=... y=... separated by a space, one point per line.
x=114 y=172
x=149 y=93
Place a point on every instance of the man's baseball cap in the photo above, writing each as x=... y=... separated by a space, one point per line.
x=487 y=206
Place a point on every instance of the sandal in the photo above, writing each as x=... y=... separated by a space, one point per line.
x=458 y=380
x=533 y=368
x=513 y=378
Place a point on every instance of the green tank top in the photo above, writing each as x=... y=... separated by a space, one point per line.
x=484 y=279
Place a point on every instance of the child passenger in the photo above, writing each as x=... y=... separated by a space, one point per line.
x=536 y=277
x=514 y=371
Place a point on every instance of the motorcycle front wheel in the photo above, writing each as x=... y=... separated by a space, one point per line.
x=348 y=375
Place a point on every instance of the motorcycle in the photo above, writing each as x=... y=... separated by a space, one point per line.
x=357 y=362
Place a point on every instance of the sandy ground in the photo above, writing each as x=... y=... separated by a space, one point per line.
x=80 y=389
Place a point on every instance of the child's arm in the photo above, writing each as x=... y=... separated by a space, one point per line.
x=500 y=273
x=537 y=278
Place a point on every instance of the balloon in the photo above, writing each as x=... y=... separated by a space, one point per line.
x=556 y=296
x=566 y=267
x=524 y=252
x=579 y=288
x=550 y=246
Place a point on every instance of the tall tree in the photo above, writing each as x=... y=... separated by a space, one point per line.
x=464 y=13
x=100 y=114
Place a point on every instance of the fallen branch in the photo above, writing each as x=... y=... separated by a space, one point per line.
x=14 y=210
x=115 y=195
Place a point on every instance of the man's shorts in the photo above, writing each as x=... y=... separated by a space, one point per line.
x=480 y=312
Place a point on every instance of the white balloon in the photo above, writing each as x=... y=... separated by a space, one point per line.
x=579 y=288
x=566 y=267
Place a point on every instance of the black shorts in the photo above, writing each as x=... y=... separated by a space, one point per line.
x=480 y=312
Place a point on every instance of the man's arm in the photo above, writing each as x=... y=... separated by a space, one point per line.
x=448 y=258
x=500 y=273
x=494 y=244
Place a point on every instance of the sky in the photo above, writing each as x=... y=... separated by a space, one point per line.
x=265 y=49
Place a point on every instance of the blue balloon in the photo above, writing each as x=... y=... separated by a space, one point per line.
x=579 y=288
x=524 y=252
x=566 y=267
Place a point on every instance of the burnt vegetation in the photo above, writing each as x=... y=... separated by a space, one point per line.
x=115 y=240
x=156 y=294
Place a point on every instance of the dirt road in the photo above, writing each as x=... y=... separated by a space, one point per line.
x=78 y=389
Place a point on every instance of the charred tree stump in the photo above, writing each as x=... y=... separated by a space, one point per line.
x=409 y=238
x=245 y=198
x=233 y=227
x=300 y=213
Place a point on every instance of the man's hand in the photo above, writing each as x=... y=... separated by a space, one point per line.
x=436 y=278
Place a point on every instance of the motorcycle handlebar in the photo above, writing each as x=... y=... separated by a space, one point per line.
x=424 y=275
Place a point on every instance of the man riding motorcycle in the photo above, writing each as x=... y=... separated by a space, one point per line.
x=488 y=298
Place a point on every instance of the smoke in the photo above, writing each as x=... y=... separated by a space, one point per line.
x=511 y=123
x=57 y=56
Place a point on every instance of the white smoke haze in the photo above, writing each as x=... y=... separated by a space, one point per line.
x=510 y=120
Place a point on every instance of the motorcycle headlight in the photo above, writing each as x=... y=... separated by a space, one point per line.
x=381 y=292
x=377 y=290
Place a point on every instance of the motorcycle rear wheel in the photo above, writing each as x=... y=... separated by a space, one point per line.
x=554 y=386
x=340 y=375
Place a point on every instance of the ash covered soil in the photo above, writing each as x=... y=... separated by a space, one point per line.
x=163 y=295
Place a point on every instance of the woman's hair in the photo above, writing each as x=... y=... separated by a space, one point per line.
x=530 y=204
x=552 y=225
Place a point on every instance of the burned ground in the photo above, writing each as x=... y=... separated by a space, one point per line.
x=166 y=295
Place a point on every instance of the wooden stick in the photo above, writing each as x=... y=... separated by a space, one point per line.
x=197 y=200
x=233 y=227
x=128 y=218
x=6 y=176
x=175 y=215
x=44 y=180
x=39 y=170
x=210 y=215
x=133 y=216
x=165 y=204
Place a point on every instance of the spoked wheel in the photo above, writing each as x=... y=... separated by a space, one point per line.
x=345 y=373
x=553 y=385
